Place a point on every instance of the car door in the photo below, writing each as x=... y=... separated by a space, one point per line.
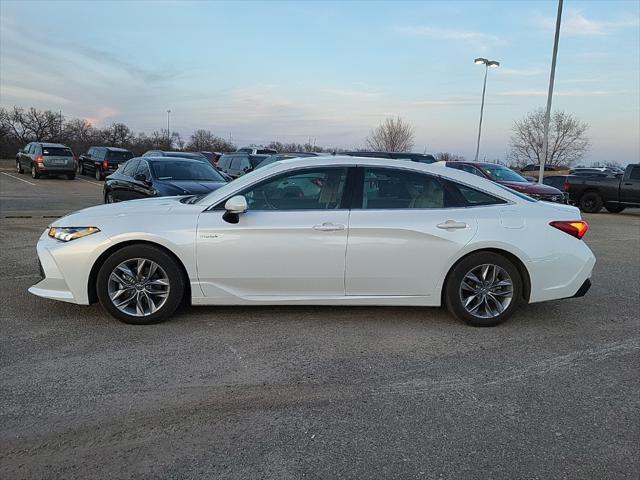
x=121 y=184
x=23 y=155
x=140 y=188
x=290 y=243
x=630 y=187
x=404 y=233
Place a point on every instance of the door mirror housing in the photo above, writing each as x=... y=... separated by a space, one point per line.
x=234 y=207
x=141 y=178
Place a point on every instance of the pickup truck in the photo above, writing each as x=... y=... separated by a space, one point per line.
x=102 y=161
x=613 y=192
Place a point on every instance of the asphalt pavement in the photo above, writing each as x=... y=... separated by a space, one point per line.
x=315 y=392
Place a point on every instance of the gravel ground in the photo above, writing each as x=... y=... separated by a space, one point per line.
x=315 y=392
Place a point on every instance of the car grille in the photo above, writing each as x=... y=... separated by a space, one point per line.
x=558 y=198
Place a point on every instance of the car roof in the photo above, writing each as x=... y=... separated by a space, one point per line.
x=47 y=144
x=169 y=159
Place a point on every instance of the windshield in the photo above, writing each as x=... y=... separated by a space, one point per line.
x=499 y=173
x=117 y=155
x=176 y=170
x=231 y=186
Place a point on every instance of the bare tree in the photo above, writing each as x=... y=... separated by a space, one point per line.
x=392 y=135
x=449 y=157
x=204 y=141
x=568 y=142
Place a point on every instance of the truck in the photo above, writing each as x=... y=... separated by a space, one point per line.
x=613 y=192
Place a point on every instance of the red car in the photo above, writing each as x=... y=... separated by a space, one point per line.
x=507 y=177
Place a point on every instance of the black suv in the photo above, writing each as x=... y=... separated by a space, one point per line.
x=238 y=163
x=102 y=161
x=414 y=157
x=46 y=159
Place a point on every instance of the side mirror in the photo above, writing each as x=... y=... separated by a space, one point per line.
x=141 y=178
x=234 y=207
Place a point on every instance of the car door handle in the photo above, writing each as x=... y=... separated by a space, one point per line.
x=328 y=227
x=452 y=225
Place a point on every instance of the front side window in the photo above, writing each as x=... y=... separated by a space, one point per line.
x=392 y=189
x=635 y=173
x=143 y=169
x=318 y=189
x=130 y=167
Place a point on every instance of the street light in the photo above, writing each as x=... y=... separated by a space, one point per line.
x=487 y=64
x=168 y=125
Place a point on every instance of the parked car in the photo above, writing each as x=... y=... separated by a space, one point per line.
x=614 y=192
x=42 y=158
x=282 y=156
x=414 y=157
x=356 y=231
x=257 y=151
x=161 y=153
x=237 y=164
x=512 y=179
x=556 y=181
x=144 y=177
x=213 y=157
x=596 y=170
x=536 y=168
x=102 y=161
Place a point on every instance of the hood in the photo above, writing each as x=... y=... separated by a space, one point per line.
x=190 y=187
x=535 y=188
x=144 y=207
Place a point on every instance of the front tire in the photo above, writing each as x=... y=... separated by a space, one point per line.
x=591 y=202
x=483 y=289
x=19 y=168
x=108 y=198
x=71 y=176
x=140 y=285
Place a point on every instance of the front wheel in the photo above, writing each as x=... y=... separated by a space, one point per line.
x=484 y=289
x=71 y=176
x=108 y=198
x=140 y=285
x=614 y=208
x=19 y=168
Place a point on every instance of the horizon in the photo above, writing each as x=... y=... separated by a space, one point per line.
x=331 y=72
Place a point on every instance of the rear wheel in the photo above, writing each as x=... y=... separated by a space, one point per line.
x=140 y=285
x=484 y=289
x=82 y=171
x=591 y=202
x=614 y=208
x=99 y=175
x=19 y=168
x=34 y=172
x=71 y=176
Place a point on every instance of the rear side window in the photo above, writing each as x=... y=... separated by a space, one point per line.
x=56 y=152
x=240 y=163
x=224 y=161
x=130 y=167
x=386 y=188
x=119 y=156
x=473 y=197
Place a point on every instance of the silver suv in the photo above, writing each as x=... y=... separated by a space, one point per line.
x=46 y=159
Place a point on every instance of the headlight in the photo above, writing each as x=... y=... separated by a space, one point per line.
x=67 y=234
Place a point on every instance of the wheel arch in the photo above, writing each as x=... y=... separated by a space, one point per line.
x=93 y=274
x=522 y=269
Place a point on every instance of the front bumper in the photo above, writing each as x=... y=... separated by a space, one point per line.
x=558 y=198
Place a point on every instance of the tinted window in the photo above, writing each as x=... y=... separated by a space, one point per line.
x=386 y=188
x=185 y=170
x=474 y=197
x=635 y=173
x=143 y=169
x=225 y=161
x=266 y=151
x=130 y=167
x=240 y=163
x=57 y=152
x=118 y=156
x=303 y=190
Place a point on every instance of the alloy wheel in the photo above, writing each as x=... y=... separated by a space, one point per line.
x=486 y=291
x=138 y=287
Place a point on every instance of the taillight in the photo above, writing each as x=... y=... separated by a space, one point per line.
x=105 y=165
x=40 y=159
x=575 y=228
x=566 y=185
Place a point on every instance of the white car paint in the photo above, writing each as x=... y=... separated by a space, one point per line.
x=347 y=257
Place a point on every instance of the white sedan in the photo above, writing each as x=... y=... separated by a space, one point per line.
x=322 y=231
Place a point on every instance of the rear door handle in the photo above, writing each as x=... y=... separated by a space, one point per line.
x=452 y=225
x=328 y=227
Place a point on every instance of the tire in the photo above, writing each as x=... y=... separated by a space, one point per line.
x=492 y=305
x=19 y=168
x=614 y=208
x=165 y=298
x=99 y=175
x=591 y=202
x=82 y=172
x=108 y=198
x=71 y=176
x=34 y=173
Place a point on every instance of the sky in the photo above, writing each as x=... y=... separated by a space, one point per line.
x=329 y=71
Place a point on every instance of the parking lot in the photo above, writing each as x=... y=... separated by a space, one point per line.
x=315 y=392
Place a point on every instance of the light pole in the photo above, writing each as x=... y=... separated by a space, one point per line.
x=168 y=125
x=487 y=64
x=552 y=76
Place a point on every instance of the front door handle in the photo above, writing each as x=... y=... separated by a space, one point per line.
x=328 y=227
x=452 y=225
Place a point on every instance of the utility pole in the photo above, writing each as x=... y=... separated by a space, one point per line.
x=168 y=125
x=547 y=115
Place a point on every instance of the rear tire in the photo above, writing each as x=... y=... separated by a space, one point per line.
x=19 y=168
x=82 y=172
x=483 y=299
x=614 y=209
x=151 y=292
x=591 y=202
x=71 y=176
x=99 y=175
x=34 y=173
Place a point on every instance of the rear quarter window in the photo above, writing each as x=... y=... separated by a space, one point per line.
x=472 y=197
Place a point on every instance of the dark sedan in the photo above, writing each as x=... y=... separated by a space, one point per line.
x=161 y=177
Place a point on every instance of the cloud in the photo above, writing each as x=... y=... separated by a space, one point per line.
x=30 y=94
x=478 y=38
x=560 y=93
x=351 y=93
x=575 y=23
